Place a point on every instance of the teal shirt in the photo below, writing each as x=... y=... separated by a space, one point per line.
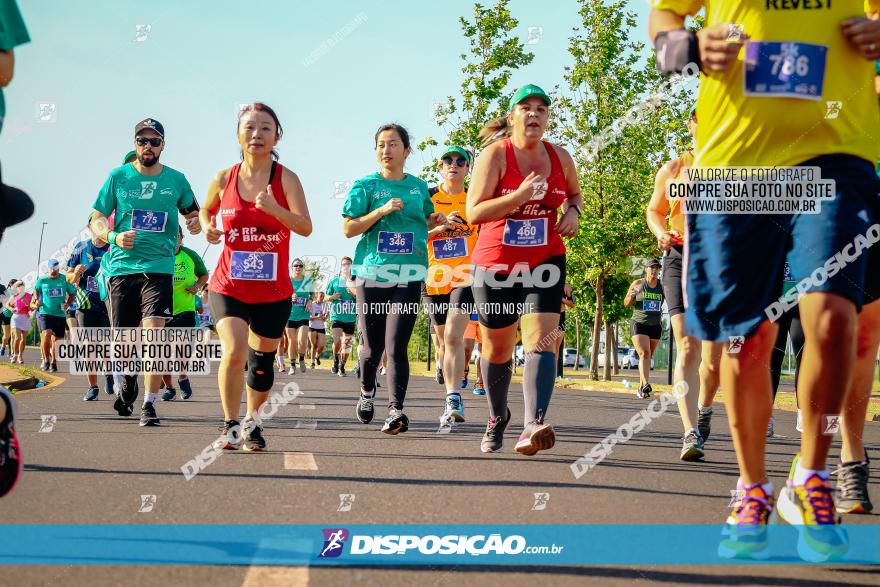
x=150 y=204
x=303 y=289
x=53 y=292
x=399 y=239
x=13 y=33
x=344 y=309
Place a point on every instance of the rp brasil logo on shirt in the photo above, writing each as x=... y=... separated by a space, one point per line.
x=334 y=541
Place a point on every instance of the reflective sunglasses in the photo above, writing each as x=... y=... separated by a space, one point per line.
x=153 y=141
x=458 y=161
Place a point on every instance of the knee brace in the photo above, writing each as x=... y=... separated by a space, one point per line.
x=260 y=370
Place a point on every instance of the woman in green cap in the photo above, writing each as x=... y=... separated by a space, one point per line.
x=525 y=197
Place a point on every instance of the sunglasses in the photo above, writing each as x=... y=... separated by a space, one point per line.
x=458 y=161
x=298 y=266
x=153 y=141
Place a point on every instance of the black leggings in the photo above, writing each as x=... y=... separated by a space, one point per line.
x=789 y=323
x=386 y=317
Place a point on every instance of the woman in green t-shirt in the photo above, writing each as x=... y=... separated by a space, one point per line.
x=392 y=212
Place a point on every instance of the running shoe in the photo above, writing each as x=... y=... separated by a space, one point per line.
x=148 y=415
x=704 y=422
x=454 y=408
x=692 y=447
x=493 y=438
x=168 y=394
x=318 y=360
x=396 y=422
x=44 y=365
x=123 y=409
x=342 y=371
x=641 y=393
x=535 y=436
x=10 y=451
x=253 y=437
x=464 y=380
x=302 y=365
x=292 y=369
x=19 y=359
x=365 y=409
x=479 y=390
x=92 y=394
x=810 y=507
x=2 y=350
x=647 y=390
x=382 y=371
x=280 y=362
x=771 y=428
x=54 y=367
x=186 y=389
x=335 y=368
x=231 y=437
x=108 y=385
x=312 y=365
x=745 y=532
x=438 y=376
x=852 y=487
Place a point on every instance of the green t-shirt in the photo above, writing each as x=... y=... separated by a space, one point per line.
x=399 y=239
x=148 y=204
x=53 y=292
x=188 y=267
x=302 y=288
x=13 y=33
x=344 y=309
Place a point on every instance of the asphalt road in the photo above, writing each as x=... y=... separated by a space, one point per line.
x=93 y=467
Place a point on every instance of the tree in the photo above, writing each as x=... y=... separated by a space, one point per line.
x=621 y=121
x=493 y=57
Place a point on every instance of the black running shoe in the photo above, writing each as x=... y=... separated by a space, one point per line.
x=647 y=390
x=396 y=422
x=253 y=438
x=54 y=367
x=438 y=376
x=231 y=437
x=852 y=488
x=335 y=368
x=123 y=409
x=493 y=439
x=365 y=409
x=148 y=415
x=10 y=453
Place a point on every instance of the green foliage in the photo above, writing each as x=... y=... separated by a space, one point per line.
x=493 y=57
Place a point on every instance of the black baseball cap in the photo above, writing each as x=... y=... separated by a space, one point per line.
x=653 y=263
x=152 y=124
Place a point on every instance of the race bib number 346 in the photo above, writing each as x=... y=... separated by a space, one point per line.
x=395 y=243
x=775 y=69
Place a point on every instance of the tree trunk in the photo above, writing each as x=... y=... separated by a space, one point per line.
x=609 y=358
x=597 y=326
x=615 y=368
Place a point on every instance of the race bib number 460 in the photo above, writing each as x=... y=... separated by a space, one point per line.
x=395 y=243
x=253 y=266
x=775 y=69
x=149 y=220
x=525 y=233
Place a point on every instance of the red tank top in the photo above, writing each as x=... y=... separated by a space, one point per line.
x=528 y=234
x=253 y=265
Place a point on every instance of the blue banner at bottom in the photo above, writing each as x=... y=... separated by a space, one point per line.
x=204 y=544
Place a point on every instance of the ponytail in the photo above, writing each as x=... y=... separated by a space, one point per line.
x=494 y=130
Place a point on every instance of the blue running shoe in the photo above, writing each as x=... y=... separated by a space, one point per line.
x=168 y=394
x=91 y=395
x=186 y=389
x=479 y=390
x=454 y=408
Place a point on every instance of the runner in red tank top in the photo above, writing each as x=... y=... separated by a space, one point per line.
x=518 y=188
x=259 y=202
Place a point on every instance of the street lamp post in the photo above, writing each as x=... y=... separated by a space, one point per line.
x=40 y=248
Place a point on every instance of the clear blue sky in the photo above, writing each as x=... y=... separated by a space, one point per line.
x=199 y=61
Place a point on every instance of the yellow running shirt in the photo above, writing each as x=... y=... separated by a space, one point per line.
x=450 y=248
x=740 y=129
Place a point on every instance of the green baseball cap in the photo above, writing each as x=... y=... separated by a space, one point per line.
x=128 y=156
x=457 y=150
x=526 y=91
x=692 y=111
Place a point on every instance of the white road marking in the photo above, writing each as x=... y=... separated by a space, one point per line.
x=300 y=461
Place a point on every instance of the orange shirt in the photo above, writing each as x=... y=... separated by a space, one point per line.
x=451 y=248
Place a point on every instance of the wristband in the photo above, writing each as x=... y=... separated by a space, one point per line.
x=112 y=236
x=676 y=49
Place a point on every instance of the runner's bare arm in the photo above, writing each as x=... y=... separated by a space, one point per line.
x=658 y=207
x=296 y=216
x=7 y=67
x=568 y=224
x=208 y=213
x=631 y=294
x=352 y=227
x=482 y=205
